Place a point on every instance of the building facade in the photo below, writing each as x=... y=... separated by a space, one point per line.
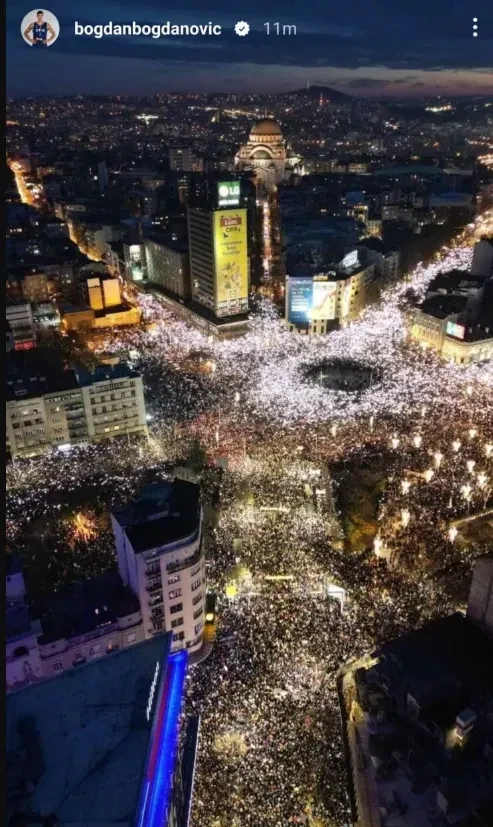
x=268 y=155
x=20 y=318
x=57 y=410
x=168 y=265
x=159 y=545
x=84 y=622
x=219 y=263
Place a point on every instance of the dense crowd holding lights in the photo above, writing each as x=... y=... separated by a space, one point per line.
x=271 y=749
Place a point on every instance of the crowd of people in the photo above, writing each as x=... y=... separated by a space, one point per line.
x=271 y=747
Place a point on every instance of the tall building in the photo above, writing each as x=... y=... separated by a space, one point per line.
x=180 y=159
x=160 y=554
x=219 y=264
x=480 y=603
x=268 y=155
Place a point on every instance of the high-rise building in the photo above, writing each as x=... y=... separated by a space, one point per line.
x=160 y=554
x=180 y=159
x=218 y=243
x=480 y=603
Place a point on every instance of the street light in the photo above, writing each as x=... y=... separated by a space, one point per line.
x=470 y=465
x=488 y=449
x=452 y=533
x=472 y=433
x=456 y=445
x=438 y=456
x=429 y=474
x=405 y=485
x=418 y=439
x=395 y=442
x=482 y=479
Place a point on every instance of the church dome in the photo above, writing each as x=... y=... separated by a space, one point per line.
x=261 y=154
x=267 y=126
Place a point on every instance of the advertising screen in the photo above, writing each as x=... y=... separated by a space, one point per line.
x=228 y=193
x=300 y=300
x=231 y=262
x=350 y=260
x=324 y=300
x=456 y=330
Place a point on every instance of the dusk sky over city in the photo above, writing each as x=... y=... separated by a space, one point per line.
x=375 y=48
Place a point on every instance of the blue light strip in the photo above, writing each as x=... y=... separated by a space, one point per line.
x=160 y=767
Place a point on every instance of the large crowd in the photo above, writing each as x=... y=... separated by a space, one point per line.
x=271 y=748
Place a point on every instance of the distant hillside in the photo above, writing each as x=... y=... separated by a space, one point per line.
x=315 y=92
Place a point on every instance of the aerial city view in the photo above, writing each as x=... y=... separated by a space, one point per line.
x=249 y=415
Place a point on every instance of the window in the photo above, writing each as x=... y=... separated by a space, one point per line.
x=174 y=593
x=177 y=622
x=179 y=636
x=198 y=627
x=197 y=599
x=195 y=569
x=132 y=638
x=197 y=613
x=174 y=579
x=58 y=666
x=178 y=607
x=196 y=584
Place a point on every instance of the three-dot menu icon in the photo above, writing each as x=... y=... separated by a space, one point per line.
x=475 y=27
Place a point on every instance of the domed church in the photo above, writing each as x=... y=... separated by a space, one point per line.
x=268 y=155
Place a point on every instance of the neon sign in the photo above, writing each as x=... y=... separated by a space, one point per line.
x=152 y=692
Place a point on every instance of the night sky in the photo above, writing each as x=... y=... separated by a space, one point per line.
x=379 y=48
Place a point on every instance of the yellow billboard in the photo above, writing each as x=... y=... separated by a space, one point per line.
x=231 y=262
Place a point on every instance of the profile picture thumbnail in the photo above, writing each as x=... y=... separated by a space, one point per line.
x=40 y=28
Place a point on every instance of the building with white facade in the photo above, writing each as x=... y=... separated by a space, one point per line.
x=268 y=155
x=48 y=408
x=160 y=554
x=114 y=403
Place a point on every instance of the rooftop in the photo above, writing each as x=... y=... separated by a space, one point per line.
x=84 y=607
x=163 y=514
x=77 y=744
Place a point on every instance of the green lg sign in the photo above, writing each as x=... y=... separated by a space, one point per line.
x=228 y=194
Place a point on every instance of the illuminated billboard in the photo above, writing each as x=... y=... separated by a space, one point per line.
x=300 y=299
x=455 y=330
x=228 y=194
x=350 y=260
x=324 y=300
x=231 y=262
